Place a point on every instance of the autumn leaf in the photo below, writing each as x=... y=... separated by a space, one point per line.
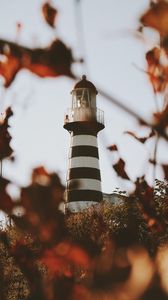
x=141 y=139
x=164 y=43
x=40 y=202
x=119 y=167
x=157 y=17
x=62 y=256
x=165 y=169
x=145 y=195
x=52 y=61
x=157 y=72
x=5 y=138
x=113 y=148
x=161 y=120
x=9 y=68
x=40 y=176
x=49 y=13
x=26 y=259
x=6 y=203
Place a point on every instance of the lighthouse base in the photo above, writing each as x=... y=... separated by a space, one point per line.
x=77 y=206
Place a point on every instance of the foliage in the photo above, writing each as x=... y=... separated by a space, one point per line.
x=52 y=61
x=107 y=251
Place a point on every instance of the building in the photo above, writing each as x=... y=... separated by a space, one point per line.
x=84 y=121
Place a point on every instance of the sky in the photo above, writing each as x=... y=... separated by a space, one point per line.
x=115 y=60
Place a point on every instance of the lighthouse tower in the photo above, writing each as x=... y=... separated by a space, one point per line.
x=83 y=121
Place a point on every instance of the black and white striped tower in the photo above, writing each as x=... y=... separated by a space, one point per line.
x=83 y=120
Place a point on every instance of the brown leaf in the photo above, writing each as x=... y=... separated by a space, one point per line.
x=26 y=259
x=145 y=195
x=113 y=148
x=5 y=138
x=164 y=43
x=157 y=17
x=49 y=13
x=158 y=73
x=165 y=169
x=119 y=167
x=40 y=202
x=152 y=161
x=141 y=139
x=52 y=61
x=6 y=203
x=161 y=120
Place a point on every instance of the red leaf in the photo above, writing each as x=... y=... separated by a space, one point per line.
x=113 y=148
x=61 y=257
x=157 y=17
x=49 y=13
x=141 y=139
x=119 y=167
x=40 y=202
x=5 y=138
x=51 y=61
x=9 y=69
x=158 y=72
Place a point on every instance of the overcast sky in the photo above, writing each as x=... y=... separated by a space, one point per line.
x=113 y=56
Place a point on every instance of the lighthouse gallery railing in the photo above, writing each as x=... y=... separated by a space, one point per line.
x=84 y=114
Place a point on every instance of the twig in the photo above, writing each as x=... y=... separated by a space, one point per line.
x=1 y=168
x=134 y=114
x=80 y=33
x=156 y=102
x=155 y=157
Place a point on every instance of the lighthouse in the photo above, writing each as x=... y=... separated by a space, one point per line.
x=83 y=121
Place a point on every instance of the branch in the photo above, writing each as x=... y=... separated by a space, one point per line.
x=132 y=113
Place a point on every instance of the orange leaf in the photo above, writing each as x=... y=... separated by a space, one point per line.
x=157 y=17
x=54 y=60
x=9 y=68
x=49 y=13
x=62 y=256
x=158 y=73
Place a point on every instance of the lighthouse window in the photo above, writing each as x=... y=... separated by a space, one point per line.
x=81 y=98
x=78 y=103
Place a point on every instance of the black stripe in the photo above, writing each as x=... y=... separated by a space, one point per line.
x=84 y=151
x=83 y=127
x=84 y=195
x=88 y=129
x=76 y=173
x=75 y=184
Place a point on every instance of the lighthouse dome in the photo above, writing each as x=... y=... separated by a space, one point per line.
x=84 y=83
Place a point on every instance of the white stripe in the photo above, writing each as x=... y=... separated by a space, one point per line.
x=84 y=184
x=84 y=161
x=84 y=140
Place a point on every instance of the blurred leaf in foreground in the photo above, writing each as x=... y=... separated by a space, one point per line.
x=52 y=61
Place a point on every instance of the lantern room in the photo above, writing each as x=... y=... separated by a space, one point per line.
x=83 y=107
x=84 y=94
